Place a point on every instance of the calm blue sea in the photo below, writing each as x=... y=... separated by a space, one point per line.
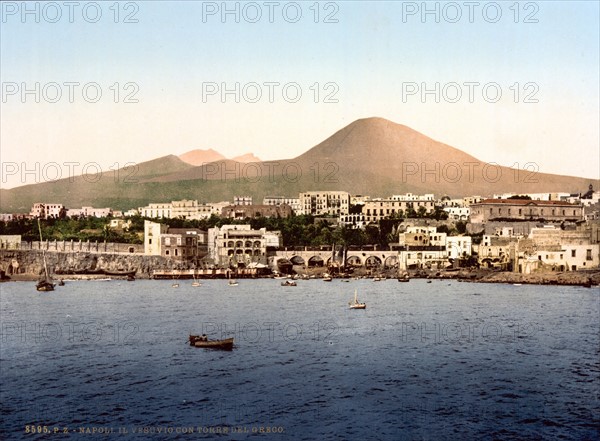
x=424 y=361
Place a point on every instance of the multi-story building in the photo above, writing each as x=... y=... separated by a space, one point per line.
x=47 y=211
x=554 y=249
x=89 y=212
x=183 y=209
x=353 y=220
x=242 y=200
x=458 y=213
x=174 y=243
x=156 y=210
x=320 y=203
x=152 y=237
x=458 y=246
x=280 y=200
x=254 y=211
x=536 y=196
x=409 y=197
x=184 y=243
x=524 y=209
x=240 y=245
x=377 y=209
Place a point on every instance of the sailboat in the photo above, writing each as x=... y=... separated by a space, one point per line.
x=44 y=284
x=175 y=283
x=356 y=304
x=196 y=282
x=232 y=282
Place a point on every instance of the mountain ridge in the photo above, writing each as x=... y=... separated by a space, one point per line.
x=370 y=156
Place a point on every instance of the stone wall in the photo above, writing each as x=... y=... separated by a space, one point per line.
x=71 y=246
x=32 y=263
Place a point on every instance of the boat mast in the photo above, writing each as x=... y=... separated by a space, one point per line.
x=43 y=251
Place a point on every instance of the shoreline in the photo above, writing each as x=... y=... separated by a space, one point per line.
x=572 y=278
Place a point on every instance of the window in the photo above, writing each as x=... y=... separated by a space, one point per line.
x=167 y=241
x=150 y=241
x=573 y=253
x=588 y=254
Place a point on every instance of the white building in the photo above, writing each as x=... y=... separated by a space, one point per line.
x=458 y=213
x=536 y=196
x=89 y=212
x=240 y=245
x=47 y=211
x=280 y=200
x=152 y=237
x=458 y=246
x=242 y=200
x=156 y=210
x=409 y=197
x=324 y=203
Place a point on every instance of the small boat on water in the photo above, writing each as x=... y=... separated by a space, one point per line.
x=327 y=278
x=355 y=304
x=202 y=341
x=376 y=279
x=175 y=285
x=130 y=278
x=289 y=283
x=196 y=283
x=45 y=284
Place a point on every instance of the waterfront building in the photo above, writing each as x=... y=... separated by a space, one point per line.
x=555 y=249
x=240 y=245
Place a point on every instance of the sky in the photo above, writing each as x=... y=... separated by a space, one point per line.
x=97 y=85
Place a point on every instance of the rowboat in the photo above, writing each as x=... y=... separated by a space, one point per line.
x=202 y=341
x=289 y=283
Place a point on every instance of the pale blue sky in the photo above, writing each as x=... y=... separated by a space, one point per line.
x=369 y=54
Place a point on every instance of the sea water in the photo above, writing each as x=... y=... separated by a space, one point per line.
x=424 y=361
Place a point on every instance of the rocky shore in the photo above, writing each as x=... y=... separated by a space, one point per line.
x=577 y=278
x=28 y=265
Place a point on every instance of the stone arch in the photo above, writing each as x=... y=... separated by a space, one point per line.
x=353 y=261
x=316 y=261
x=373 y=262
x=390 y=261
x=297 y=260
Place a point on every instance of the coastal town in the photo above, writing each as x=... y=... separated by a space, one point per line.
x=535 y=238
